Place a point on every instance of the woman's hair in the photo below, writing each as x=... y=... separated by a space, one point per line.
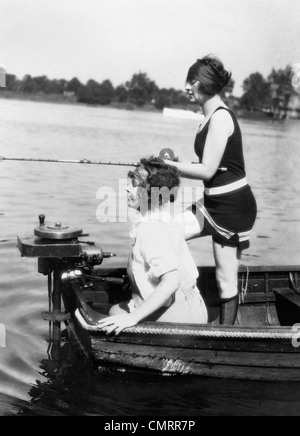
x=211 y=74
x=160 y=181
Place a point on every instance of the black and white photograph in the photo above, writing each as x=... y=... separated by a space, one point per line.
x=150 y=210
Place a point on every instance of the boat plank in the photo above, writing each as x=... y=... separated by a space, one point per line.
x=250 y=359
x=170 y=366
x=217 y=344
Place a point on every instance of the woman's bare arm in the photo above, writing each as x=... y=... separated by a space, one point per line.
x=167 y=287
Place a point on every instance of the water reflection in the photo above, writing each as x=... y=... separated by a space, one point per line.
x=73 y=388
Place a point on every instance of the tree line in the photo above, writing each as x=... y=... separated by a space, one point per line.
x=273 y=93
x=138 y=91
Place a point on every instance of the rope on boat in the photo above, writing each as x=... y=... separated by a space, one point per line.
x=200 y=333
x=211 y=333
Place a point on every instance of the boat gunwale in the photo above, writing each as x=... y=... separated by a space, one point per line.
x=209 y=331
x=210 y=268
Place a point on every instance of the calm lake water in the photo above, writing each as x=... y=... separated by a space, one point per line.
x=30 y=384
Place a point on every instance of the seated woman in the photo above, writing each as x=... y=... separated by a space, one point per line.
x=162 y=272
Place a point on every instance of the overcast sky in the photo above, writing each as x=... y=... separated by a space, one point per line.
x=112 y=39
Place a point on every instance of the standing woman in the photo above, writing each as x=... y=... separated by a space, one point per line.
x=229 y=210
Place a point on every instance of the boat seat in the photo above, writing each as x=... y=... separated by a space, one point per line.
x=288 y=306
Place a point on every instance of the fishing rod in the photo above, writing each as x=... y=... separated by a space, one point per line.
x=68 y=161
x=166 y=154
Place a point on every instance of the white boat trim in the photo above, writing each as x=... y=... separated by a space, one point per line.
x=183 y=114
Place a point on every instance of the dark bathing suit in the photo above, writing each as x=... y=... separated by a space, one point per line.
x=229 y=208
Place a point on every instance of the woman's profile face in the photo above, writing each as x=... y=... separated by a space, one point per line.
x=192 y=89
x=137 y=196
x=132 y=193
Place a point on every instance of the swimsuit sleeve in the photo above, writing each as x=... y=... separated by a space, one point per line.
x=158 y=250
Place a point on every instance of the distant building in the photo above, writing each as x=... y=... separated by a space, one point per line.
x=69 y=94
x=293 y=109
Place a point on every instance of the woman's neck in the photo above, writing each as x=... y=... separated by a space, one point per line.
x=211 y=105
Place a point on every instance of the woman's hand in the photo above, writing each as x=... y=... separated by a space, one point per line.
x=171 y=163
x=117 y=323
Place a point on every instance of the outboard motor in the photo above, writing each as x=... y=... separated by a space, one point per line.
x=65 y=260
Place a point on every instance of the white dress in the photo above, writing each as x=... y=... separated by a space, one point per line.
x=158 y=248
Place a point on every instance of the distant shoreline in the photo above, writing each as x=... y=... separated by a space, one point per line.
x=72 y=100
x=43 y=98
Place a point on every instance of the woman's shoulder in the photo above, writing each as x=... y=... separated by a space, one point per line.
x=223 y=112
x=223 y=116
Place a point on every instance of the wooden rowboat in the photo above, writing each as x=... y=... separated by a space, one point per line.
x=263 y=345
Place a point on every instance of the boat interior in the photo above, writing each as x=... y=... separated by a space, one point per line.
x=269 y=296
